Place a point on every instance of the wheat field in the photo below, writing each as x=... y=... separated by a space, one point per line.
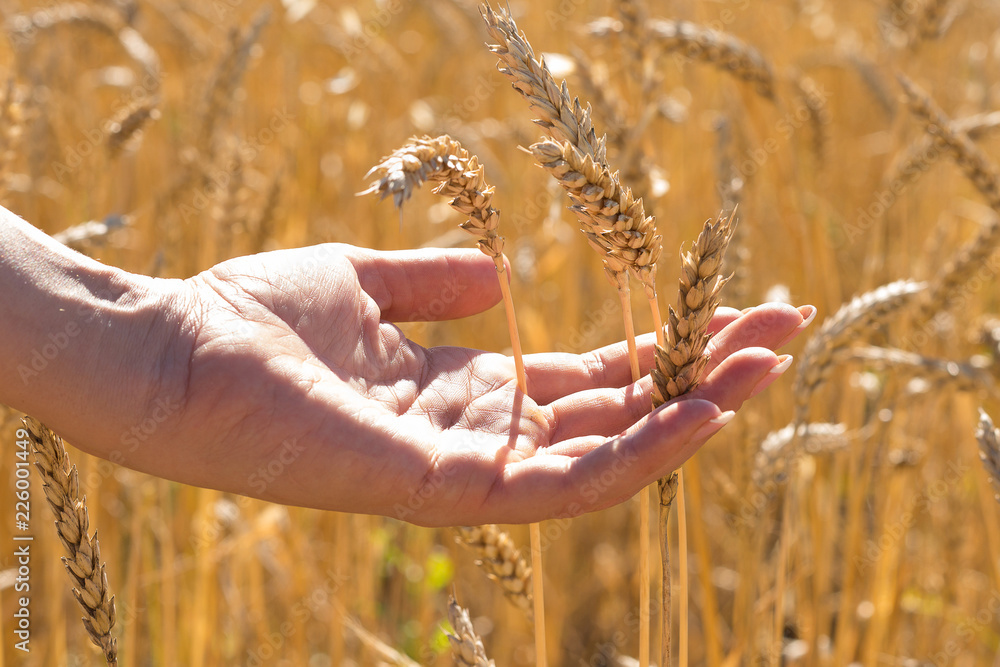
x=188 y=133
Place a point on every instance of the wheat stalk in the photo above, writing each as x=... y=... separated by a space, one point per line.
x=466 y=645
x=501 y=560
x=989 y=450
x=24 y=28
x=87 y=572
x=463 y=179
x=680 y=361
x=225 y=79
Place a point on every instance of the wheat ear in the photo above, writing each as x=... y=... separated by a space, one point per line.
x=972 y=375
x=983 y=174
x=501 y=560
x=87 y=572
x=703 y=44
x=680 y=362
x=863 y=313
x=989 y=450
x=12 y=125
x=466 y=646
x=559 y=113
x=919 y=155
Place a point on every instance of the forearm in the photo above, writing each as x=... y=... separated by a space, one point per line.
x=81 y=344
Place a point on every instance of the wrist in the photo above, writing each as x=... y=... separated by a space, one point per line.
x=86 y=346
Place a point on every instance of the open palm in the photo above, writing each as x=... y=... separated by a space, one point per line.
x=299 y=389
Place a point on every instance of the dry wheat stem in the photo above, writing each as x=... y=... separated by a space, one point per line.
x=861 y=315
x=87 y=572
x=989 y=450
x=559 y=113
x=463 y=179
x=680 y=362
x=501 y=560
x=466 y=646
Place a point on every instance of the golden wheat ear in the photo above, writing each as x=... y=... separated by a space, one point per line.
x=83 y=561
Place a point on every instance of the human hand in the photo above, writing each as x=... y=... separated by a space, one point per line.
x=298 y=389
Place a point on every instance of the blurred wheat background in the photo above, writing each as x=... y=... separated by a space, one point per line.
x=187 y=133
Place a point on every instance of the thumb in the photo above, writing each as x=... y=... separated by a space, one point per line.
x=428 y=284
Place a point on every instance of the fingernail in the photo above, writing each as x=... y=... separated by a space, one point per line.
x=808 y=315
x=784 y=361
x=713 y=425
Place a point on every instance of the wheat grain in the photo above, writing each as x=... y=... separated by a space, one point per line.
x=613 y=220
x=989 y=450
x=983 y=174
x=90 y=581
x=501 y=560
x=23 y=30
x=861 y=314
x=560 y=113
x=466 y=645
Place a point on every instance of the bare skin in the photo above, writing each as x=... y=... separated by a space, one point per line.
x=282 y=376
